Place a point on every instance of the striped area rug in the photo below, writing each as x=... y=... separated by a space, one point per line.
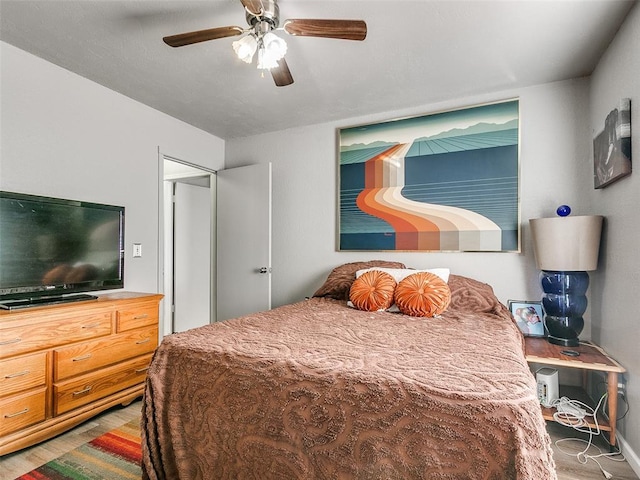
x=112 y=456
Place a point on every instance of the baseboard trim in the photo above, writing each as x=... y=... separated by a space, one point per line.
x=632 y=457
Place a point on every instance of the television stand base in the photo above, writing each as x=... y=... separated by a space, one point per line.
x=41 y=301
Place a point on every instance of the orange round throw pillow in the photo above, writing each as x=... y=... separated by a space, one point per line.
x=422 y=294
x=372 y=291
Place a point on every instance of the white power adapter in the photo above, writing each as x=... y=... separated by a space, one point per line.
x=548 y=390
x=569 y=408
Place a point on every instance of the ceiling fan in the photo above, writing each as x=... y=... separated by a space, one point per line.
x=263 y=18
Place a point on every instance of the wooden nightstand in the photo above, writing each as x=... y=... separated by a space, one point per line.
x=592 y=357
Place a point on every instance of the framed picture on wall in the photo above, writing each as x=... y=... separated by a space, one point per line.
x=612 y=147
x=528 y=316
x=445 y=181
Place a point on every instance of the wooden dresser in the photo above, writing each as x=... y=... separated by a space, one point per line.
x=62 y=364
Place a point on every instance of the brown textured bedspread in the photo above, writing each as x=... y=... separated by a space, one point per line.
x=317 y=390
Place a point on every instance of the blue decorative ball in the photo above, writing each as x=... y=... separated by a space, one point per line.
x=563 y=210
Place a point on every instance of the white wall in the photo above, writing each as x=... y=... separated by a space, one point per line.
x=553 y=120
x=615 y=309
x=65 y=136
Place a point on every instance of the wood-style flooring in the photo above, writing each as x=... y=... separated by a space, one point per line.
x=19 y=463
x=15 y=464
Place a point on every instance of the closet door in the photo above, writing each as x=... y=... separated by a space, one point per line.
x=243 y=210
x=192 y=256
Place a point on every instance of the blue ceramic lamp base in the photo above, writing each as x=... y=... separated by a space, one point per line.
x=564 y=303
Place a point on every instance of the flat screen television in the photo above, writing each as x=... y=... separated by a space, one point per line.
x=51 y=249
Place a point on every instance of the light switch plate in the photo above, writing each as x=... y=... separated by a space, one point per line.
x=137 y=250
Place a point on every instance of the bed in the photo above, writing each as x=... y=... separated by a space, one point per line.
x=320 y=390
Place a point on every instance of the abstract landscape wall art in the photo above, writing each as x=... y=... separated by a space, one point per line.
x=446 y=181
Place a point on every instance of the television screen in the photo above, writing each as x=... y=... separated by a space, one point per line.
x=52 y=246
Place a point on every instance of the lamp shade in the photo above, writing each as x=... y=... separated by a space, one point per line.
x=274 y=45
x=566 y=244
x=245 y=48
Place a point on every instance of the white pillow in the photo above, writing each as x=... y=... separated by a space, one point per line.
x=400 y=274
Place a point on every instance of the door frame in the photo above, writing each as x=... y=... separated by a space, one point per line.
x=165 y=326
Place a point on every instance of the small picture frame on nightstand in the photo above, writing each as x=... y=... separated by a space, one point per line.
x=528 y=316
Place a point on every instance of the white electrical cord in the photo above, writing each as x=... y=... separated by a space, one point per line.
x=572 y=413
x=583 y=457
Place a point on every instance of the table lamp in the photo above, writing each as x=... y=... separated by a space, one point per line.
x=565 y=248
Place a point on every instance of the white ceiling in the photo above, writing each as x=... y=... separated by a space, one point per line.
x=415 y=53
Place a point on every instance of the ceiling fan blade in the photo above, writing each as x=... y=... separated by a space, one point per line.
x=341 y=29
x=190 y=38
x=281 y=74
x=254 y=7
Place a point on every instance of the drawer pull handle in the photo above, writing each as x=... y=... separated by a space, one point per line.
x=9 y=342
x=85 y=390
x=18 y=374
x=91 y=325
x=140 y=370
x=140 y=317
x=146 y=340
x=83 y=357
x=21 y=412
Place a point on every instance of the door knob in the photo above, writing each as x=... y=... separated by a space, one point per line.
x=264 y=270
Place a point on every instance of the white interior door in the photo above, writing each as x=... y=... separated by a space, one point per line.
x=243 y=218
x=191 y=256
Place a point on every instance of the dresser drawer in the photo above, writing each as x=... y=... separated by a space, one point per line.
x=79 y=391
x=22 y=373
x=136 y=316
x=20 y=411
x=39 y=336
x=83 y=357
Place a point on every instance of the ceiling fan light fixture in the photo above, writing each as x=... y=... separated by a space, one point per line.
x=246 y=47
x=271 y=48
x=266 y=61
x=274 y=45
